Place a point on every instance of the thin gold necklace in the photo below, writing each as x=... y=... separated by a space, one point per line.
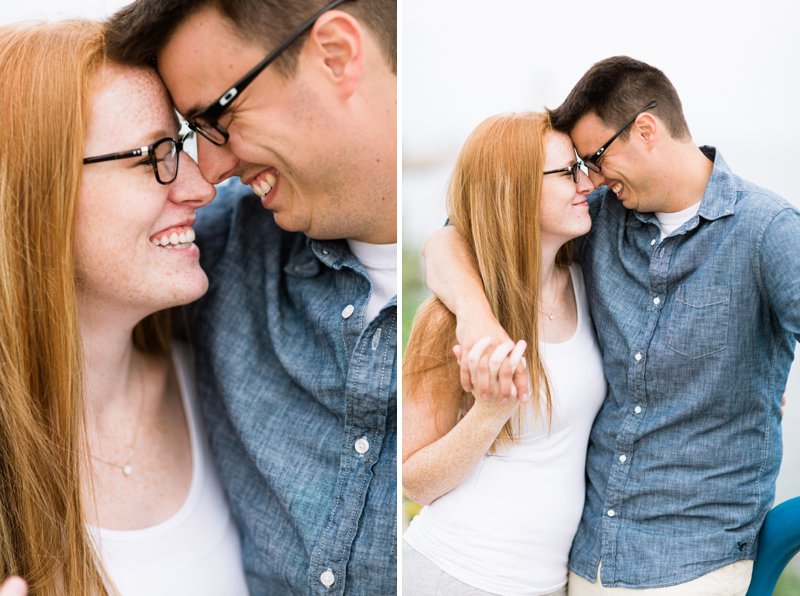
x=548 y=312
x=127 y=467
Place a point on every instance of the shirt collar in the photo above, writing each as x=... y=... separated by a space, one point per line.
x=719 y=199
x=307 y=257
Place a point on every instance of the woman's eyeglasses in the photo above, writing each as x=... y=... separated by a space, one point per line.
x=572 y=170
x=162 y=155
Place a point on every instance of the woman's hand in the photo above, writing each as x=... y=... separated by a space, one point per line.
x=14 y=586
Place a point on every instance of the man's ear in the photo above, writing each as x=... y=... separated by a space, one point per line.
x=647 y=127
x=336 y=42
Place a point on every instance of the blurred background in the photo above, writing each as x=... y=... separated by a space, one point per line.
x=735 y=66
x=57 y=9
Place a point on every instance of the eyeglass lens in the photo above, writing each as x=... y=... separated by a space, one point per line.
x=209 y=131
x=165 y=155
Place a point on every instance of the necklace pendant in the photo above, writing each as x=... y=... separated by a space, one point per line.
x=127 y=469
x=550 y=317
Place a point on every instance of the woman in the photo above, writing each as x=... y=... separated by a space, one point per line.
x=503 y=477
x=105 y=480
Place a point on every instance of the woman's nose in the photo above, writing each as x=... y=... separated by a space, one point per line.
x=190 y=186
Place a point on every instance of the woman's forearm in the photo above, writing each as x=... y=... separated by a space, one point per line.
x=439 y=467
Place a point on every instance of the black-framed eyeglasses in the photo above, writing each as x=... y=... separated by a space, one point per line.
x=579 y=165
x=591 y=161
x=207 y=123
x=163 y=155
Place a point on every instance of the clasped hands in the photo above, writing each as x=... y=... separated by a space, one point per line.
x=493 y=368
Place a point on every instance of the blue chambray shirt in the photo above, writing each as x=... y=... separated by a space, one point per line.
x=698 y=334
x=299 y=398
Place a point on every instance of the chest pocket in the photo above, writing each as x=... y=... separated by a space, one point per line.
x=698 y=324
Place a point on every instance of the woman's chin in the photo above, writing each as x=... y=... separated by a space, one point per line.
x=182 y=292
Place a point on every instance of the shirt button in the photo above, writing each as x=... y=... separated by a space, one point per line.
x=362 y=445
x=348 y=310
x=327 y=578
x=622 y=458
x=653 y=242
x=325 y=251
x=376 y=339
x=638 y=409
x=656 y=300
x=638 y=356
x=611 y=513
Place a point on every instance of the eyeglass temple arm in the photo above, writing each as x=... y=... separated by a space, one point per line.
x=121 y=155
x=215 y=110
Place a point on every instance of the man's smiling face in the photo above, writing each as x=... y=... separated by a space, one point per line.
x=285 y=133
x=622 y=165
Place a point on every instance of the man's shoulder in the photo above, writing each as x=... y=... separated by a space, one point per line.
x=236 y=206
x=605 y=209
x=603 y=198
x=758 y=203
x=235 y=225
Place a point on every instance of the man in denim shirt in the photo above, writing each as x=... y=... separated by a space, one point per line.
x=295 y=341
x=693 y=276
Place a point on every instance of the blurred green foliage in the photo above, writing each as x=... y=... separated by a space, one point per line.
x=414 y=292
x=789 y=582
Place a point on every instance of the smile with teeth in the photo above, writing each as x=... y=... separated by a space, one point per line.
x=617 y=188
x=263 y=183
x=176 y=239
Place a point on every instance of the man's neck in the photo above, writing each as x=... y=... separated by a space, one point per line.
x=686 y=177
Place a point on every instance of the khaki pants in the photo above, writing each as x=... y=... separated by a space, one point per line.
x=731 y=580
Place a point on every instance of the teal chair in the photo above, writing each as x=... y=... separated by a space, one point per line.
x=778 y=542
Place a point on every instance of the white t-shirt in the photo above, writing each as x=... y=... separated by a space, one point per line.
x=508 y=527
x=669 y=222
x=380 y=261
x=196 y=551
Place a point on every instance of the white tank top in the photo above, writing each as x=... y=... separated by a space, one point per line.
x=196 y=551
x=508 y=528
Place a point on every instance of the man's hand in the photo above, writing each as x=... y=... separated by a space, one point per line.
x=14 y=586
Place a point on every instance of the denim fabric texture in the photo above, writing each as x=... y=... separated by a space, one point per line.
x=299 y=396
x=698 y=333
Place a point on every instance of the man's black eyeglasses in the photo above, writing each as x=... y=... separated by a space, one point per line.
x=207 y=123
x=591 y=162
x=572 y=170
x=163 y=155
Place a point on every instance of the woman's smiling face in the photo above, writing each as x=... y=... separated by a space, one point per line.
x=563 y=210
x=123 y=214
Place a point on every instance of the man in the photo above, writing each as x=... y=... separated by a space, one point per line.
x=296 y=339
x=692 y=275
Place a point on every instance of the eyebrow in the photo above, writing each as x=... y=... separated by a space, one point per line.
x=156 y=135
x=193 y=111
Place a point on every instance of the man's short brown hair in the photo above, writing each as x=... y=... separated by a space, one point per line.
x=615 y=89
x=140 y=30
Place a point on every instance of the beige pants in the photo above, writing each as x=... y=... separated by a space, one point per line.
x=732 y=580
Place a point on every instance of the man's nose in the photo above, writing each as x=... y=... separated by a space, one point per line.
x=597 y=178
x=217 y=162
